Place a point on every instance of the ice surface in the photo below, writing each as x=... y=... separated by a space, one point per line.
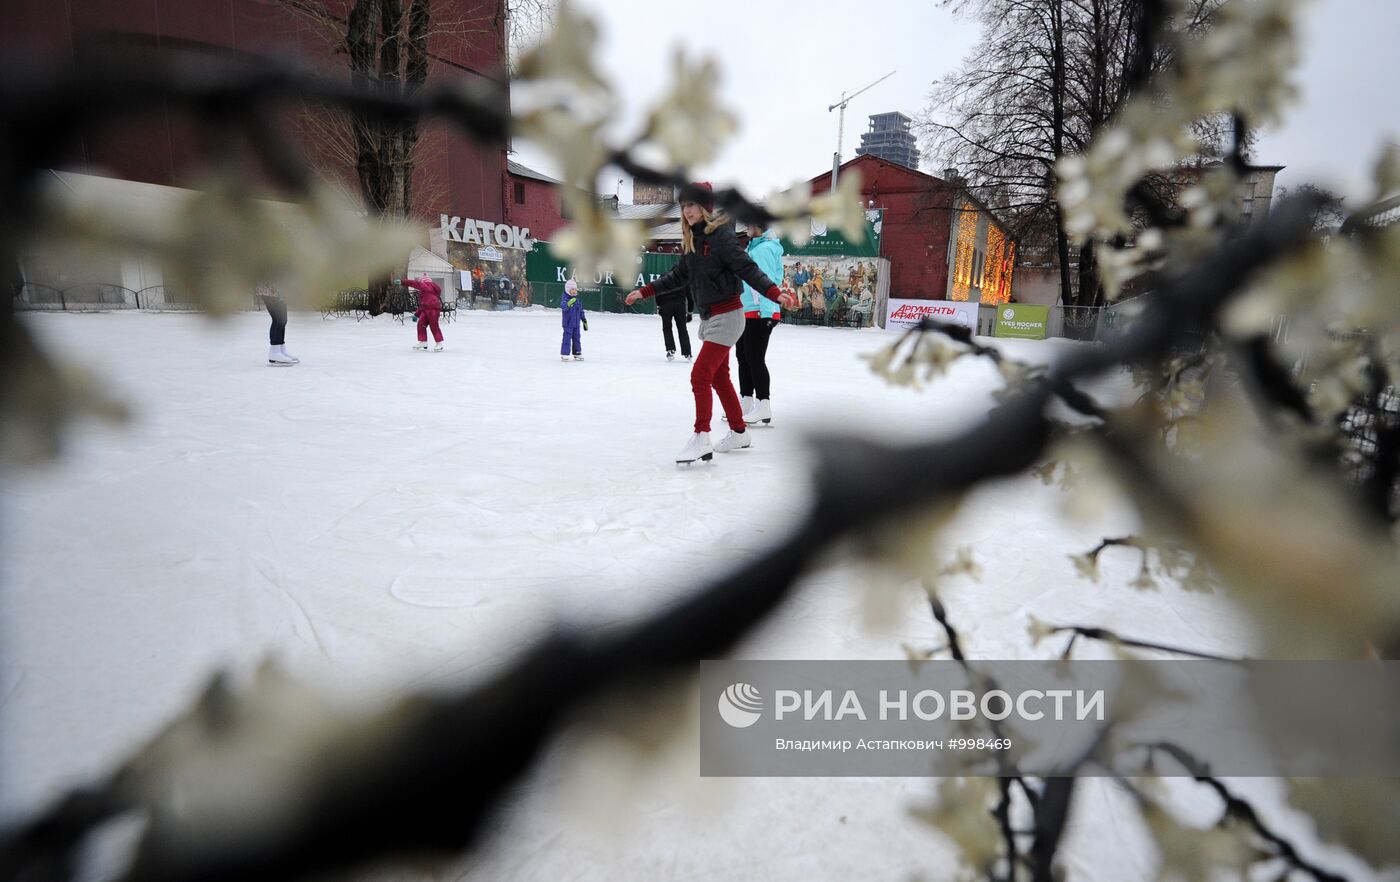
x=384 y=519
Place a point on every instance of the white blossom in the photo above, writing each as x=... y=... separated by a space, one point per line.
x=688 y=122
x=841 y=208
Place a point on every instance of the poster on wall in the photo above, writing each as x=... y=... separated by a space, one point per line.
x=1022 y=321
x=902 y=315
x=490 y=258
x=833 y=290
x=496 y=278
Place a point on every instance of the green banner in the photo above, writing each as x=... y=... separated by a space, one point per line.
x=546 y=275
x=1022 y=321
x=829 y=243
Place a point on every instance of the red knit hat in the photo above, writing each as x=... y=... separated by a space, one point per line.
x=708 y=203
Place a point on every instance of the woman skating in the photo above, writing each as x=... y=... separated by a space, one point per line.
x=713 y=268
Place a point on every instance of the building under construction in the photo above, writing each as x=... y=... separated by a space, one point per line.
x=890 y=138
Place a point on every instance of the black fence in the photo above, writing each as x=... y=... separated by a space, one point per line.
x=83 y=297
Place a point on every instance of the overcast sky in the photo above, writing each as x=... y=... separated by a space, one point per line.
x=785 y=63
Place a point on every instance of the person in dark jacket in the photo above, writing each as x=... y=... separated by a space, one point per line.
x=675 y=308
x=712 y=268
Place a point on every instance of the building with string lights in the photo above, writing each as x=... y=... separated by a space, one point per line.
x=941 y=242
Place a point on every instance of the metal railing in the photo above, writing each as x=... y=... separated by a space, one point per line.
x=82 y=297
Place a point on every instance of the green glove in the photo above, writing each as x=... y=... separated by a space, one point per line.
x=585 y=324
x=573 y=300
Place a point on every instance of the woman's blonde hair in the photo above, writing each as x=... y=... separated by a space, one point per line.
x=687 y=238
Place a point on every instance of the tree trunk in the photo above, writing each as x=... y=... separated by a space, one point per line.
x=1057 y=98
x=1090 y=294
x=387 y=45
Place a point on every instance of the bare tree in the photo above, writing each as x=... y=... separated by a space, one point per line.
x=391 y=46
x=1045 y=78
x=528 y=21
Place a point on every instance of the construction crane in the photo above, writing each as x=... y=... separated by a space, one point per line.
x=841 y=126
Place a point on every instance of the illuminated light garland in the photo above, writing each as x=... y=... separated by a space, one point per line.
x=962 y=256
x=1008 y=273
x=996 y=286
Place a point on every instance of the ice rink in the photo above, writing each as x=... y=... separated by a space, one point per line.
x=389 y=520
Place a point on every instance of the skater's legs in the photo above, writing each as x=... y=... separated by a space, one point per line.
x=755 y=353
x=576 y=338
x=433 y=324
x=683 y=331
x=564 y=343
x=741 y=354
x=423 y=326
x=728 y=398
x=675 y=312
x=277 y=308
x=667 y=316
x=712 y=359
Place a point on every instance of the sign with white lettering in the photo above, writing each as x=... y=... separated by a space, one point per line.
x=1022 y=320
x=480 y=232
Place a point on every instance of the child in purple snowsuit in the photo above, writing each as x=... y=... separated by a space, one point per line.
x=571 y=304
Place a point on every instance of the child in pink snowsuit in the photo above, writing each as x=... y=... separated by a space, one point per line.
x=429 y=308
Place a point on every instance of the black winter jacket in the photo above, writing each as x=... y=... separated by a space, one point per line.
x=714 y=272
x=674 y=299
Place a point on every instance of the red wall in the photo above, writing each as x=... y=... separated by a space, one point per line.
x=541 y=211
x=458 y=176
x=917 y=222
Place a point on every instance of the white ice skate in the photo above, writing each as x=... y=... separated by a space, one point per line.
x=563 y=358
x=283 y=349
x=423 y=346
x=277 y=358
x=698 y=447
x=734 y=441
x=438 y=347
x=578 y=358
x=670 y=356
x=759 y=414
x=745 y=405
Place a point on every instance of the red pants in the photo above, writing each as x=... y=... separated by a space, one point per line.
x=428 y=318
x=711 y=371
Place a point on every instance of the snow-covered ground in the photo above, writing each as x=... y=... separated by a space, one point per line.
x=390 y=520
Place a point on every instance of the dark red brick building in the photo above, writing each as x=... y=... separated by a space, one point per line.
x=533 y=200
x=921 y=214
x=455 y=176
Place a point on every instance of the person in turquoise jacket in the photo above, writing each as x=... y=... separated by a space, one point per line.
x=761 y=315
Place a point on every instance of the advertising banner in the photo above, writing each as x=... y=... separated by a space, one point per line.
x=491 y=277
x=546 y=275
x=1022 y=321
x=900 y=315
x=829 y=243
